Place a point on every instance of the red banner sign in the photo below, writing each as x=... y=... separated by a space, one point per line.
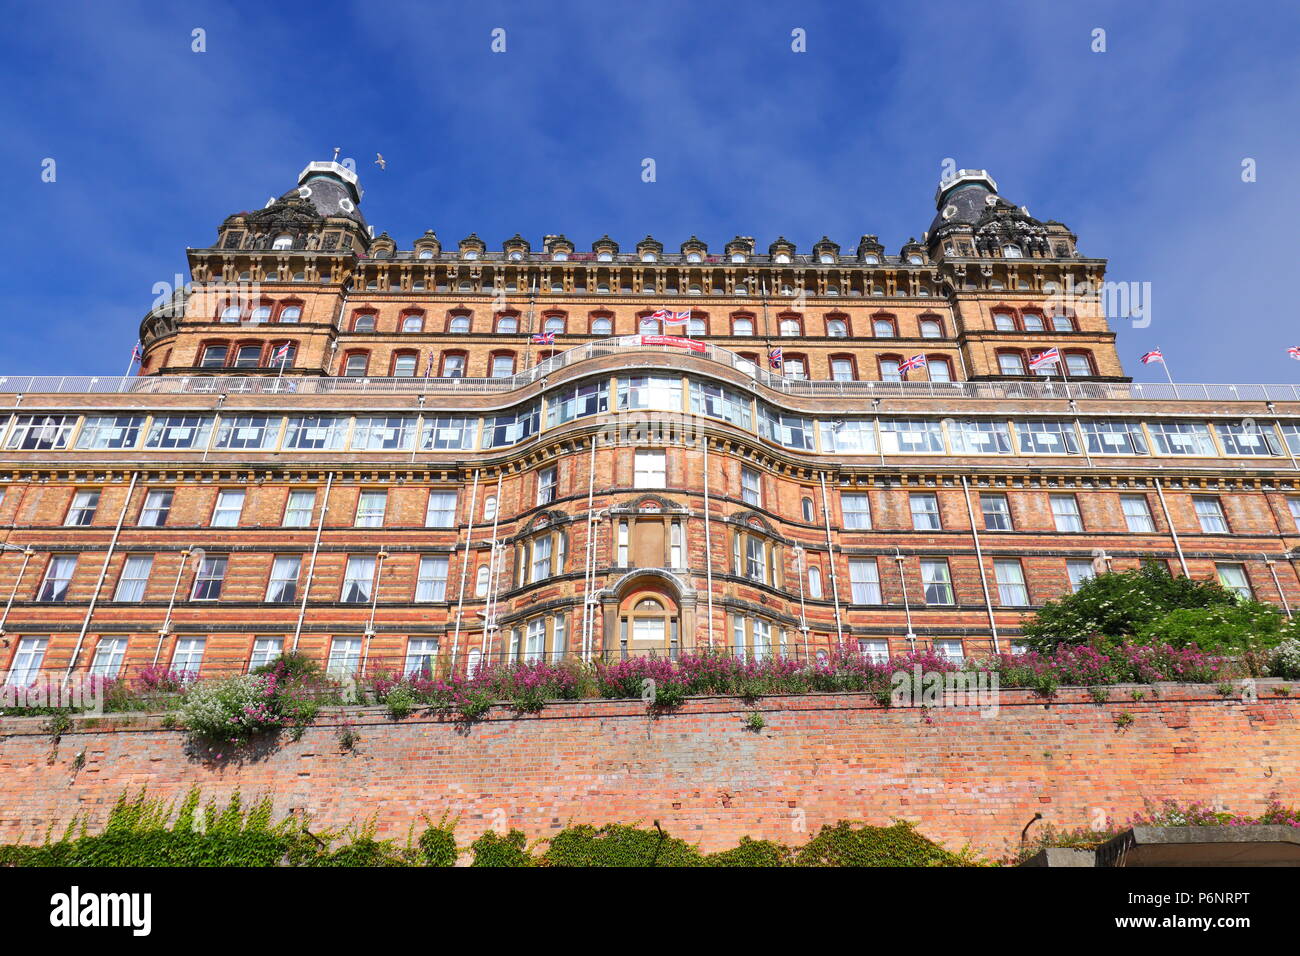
x=673 y=340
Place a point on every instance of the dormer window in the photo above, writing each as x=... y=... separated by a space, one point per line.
x=781 y=257
x=471 y=253
x=693 y=257
x=282 y=241
x=826 y=258
x=1011 y=251
x=647 y=257
x=872 y=259
x=737 y=257
x=605 y=257
x=426 y=253
x=914 y=260
x=560 y=256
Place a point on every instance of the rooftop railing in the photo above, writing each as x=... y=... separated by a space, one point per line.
x=1001 y=390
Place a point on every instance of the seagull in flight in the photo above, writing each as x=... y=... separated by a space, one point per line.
x=380 y=161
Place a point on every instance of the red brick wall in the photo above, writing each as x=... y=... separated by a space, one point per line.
x=963 y=777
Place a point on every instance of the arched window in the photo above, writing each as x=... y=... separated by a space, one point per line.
x=1011 y=251
x=602 y=325
x=795 y=366
x=1062 y=323
x=806 y=504
x=889 y=368
x=791 y=325
x=260 y=315
x=405 y=364
x=363 y=322
x=1004 y=322
x=843 y=368
x=884 y=327
x=426 y=253
x=282 y=241
x=931 y=328
x=230 y=313
x=290 y=314
x=502 y=364
x=356 y=364
x=214 y=355
x=507 y=324
x=648 y=325
x=481 y=581
x=1011 y=362
x=458 y=323
x=554 y=323
x=490 y=508
x=940 y=368
x=414 y=322
x=837 y=327
x=814 y=582
x=1033 y=322
x=742 y=325
x=453 y=364
x=697 y=325
x=648 y=626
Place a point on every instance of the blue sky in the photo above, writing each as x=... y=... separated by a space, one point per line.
x=1138 y=149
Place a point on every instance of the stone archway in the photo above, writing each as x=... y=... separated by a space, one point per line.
x=648 y=613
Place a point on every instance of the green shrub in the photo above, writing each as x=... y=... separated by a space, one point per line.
x=752 y=853
x=437 y=843
x=616 y=844
x=1286 y=659
x=508 y=850
x=897 y=845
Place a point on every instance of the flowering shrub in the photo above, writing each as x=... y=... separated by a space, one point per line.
x=1170 y=813
x=1286 y=659
x=235 y=709
x=158 y=679
x=1088 y=667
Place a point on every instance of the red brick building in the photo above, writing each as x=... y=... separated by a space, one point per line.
x=380 y=456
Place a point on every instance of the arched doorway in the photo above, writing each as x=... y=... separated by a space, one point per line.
x=649 y=624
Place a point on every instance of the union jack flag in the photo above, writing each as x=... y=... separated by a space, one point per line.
x=1051 y=357
x=544 y=338
x=677 y=318
x=776 y=358
x=282 y=353
x=1155 y=355
x=916 y=361
x=1294 y=352
x=136 y=354
x=428 y=368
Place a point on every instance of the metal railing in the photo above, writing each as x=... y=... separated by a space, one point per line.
x=987 y=391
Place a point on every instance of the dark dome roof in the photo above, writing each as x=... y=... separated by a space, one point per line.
x=333 y=190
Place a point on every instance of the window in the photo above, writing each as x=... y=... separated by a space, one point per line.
x=109 y=654
x=110 y=431
x=624 y=556
x=248 y=356
x=857 y=512
x=248 y=432
x=1247 y=438
x=949 y=649
x=837 y=328
x=742 y=325
x=1065 y=512
x=1062 y=323
x=316 y=433
x=1033 y=322
x=356 y=365
x=795 y=367
x=507 y=324
x=554 y=323
x=889 y=370
x=388 y=433
x=1294 y=505
x=751 y=488
x=177 y=431
x=1209 y=512
x=814 y=582
x=371 y=506
x=1011 y=363
x=547 y=479
x=842 y=369
x=453 y=364
x=751 y=637
x=405 y=364
x=413 y=323
x=935 y=581
x=135 y=575
x=864 y=580
x=230 y=313
x=940 y=369
x=441 y=510
x=755 y=566
x=230 y=504
x=877 y=652
x=420 y=654
x=646 y=392
x=431 y=582
x=809 y=510
x=1182 y=438
x=676 y=549
x=1004 y=322
x=1047 y=438
x=214 y=356
x=458 y=324
x=290 y=314
x=980 y=437
x=345 y=657
x=541 y=558
x=58 y=575
x=790 y=326
x=503 y=365
x=996 y=511
x=1079 y=570
x=651 y=469
x=577 y=401
x=1108 y=437
x=363 y=323
x=265 y=651
x=283 y=585
x=1011 y=582
x=489 y=508
x=718 y=402
x=298 y=509
x=187 y=657
x=1078 y=363
x=27 y=661
x=931 y=329
x=1137 y=513
x=209 y=578
x=1233 y=577
x=41 y=432
x=883 y=328
x=82 y=510
x=602 y=325
x=481 y=581
x=262 y=314
x=358 y=579
x=925 y=511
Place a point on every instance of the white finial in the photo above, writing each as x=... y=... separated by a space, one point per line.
x=336 y=153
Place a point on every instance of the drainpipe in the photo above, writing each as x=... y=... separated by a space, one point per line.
x=380 y=558
x=103 y=573
x=311 y=567
x=464 y=569
x=907 y=605
x=1182 y=562
x=167 y=621
x=835 y=578
x=28 y=554
x=708 y=542
x=1269 y=563
x=979 y=560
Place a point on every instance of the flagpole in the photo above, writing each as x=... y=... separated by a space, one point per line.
x=1167 y=373
x=130 y=365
